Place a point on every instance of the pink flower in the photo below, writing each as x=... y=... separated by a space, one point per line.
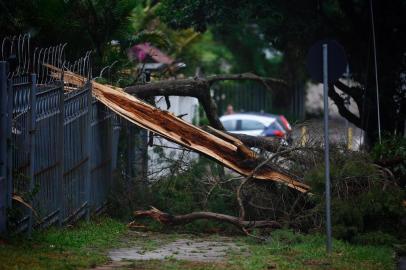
x=141 y=55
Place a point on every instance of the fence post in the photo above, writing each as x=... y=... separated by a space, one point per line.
x=9 y=176
x=88 y=147
x=60 y=154
x=110 y=140
x=3 y=147
x=32 y=127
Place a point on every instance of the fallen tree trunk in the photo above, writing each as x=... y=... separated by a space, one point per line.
x=174 y=220
x=225 y=149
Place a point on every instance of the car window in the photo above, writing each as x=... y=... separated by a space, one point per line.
x=251 y=125
x=230 y=125
x=280 y=125
x=276 y=126
x=284 y=123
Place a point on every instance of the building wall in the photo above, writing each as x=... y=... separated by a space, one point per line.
x=158 y=165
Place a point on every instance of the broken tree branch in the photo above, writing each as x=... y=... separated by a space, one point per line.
x=231 y=153
x=269 y=83
x=246 y=180
x=174 y=220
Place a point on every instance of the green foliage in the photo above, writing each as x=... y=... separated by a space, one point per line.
x=196 y=50
x=253 y=29
x=208 y=53
x=127 y=195
x=198 y=14
x=184 y=192
x=202 y=119
x=155 y=37
x=392 y=154
x=83 y=24
x=363 y=201
x=287 y=237
x=375 y=238
x=344 y=166
x=96 y=233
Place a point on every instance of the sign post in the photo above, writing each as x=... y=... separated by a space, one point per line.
x=326 y=62
x=326 y=148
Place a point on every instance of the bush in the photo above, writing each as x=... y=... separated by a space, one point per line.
x=375 y=238
x=364 y=200
x=392 y=155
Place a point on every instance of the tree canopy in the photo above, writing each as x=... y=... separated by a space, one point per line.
x=291 y=27
x=270 y=38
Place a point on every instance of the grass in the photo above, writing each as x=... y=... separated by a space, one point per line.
x=288 y=250
x=85 y=245
x=81 y=246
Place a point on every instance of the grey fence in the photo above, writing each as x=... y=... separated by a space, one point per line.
x=56 y=146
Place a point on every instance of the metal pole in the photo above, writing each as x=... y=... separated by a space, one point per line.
x=376 y=73
x=326 y=148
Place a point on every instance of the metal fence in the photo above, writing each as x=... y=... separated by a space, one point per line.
x=56 y=145
x=253 y=96
x=244 y=97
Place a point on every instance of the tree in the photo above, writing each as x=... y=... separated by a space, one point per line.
x=83 y=24
x=292 y=26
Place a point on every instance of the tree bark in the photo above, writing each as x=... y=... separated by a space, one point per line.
x=174 y=220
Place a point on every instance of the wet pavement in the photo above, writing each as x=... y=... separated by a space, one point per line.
x=181 y=249
x=145 y=246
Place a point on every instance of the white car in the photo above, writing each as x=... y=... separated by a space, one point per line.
x=256 y=124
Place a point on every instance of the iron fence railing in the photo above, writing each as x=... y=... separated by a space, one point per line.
x=244 y=97
x=57 y=143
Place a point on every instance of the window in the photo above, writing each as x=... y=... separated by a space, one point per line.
x=276 y=126
x=251 y=125
x=230 y=125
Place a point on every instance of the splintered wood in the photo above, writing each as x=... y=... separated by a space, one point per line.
x=227 y=150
